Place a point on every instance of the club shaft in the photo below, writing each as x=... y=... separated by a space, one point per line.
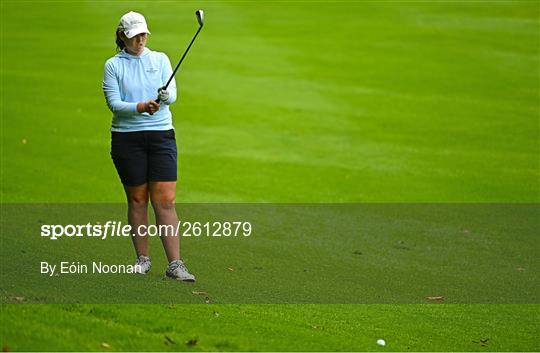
x=182 y=59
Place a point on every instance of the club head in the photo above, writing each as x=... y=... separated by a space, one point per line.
x=200 y=17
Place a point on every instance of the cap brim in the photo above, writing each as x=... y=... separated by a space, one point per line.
x=134 y=31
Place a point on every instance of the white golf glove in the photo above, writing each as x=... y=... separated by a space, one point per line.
x=163 y=95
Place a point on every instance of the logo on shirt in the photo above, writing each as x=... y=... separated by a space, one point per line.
x=151 y=70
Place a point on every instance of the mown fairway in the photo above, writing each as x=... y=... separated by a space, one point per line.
x=289 y=102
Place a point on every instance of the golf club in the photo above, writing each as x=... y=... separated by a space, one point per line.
x=200 y=19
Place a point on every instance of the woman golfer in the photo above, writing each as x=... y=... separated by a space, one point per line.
x=143 y=145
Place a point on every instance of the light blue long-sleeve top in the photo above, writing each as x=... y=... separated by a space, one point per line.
x=130 y=79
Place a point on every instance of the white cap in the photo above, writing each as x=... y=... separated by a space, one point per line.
x=133 y=23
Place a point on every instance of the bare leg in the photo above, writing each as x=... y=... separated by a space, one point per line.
x=137 y=197
x=162 y=195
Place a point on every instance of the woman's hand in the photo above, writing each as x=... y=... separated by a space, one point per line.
x=163 y=95
x=149 y=107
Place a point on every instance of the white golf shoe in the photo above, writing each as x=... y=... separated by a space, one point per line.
x=142 y=265
x=177 y=270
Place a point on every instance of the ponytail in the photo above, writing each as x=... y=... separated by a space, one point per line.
x=120 y=45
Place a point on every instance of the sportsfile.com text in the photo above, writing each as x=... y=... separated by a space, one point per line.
x=119 y=229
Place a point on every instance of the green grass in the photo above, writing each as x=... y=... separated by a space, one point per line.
x=274 y=327
x=296 y=102
x=378 y=102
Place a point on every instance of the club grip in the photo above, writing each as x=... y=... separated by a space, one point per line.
x=159 y=89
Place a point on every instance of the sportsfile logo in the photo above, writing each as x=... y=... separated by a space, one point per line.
x=119 y=229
